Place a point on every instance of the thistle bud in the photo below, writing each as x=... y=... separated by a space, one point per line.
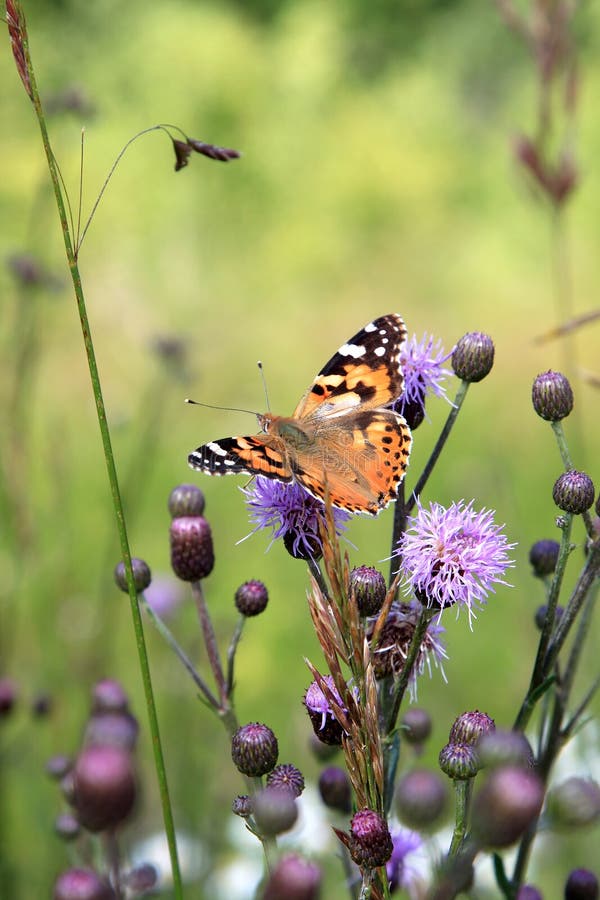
x=67 y=827
x=459 y=761
x=182 y=152
x=370 y=842
x=543 y=557
x=575 y=803
x=473 y=357
x=470 y=726
x=104 y=787
x=528 y=892
x=192 y=554
x=294 y=878
x=82 y=884
x=274 y=811
x=335 y=790
x=574 y=492
x=505 y=806
x=186 y=500
x=421 y=799
x=368 y=589
x=109 y=695
x=140 y=880
x=141 y=575
x=58 y=766
x=542 y=612
x=115 y=729
x=286 y=777
x=416 y=726
x=254 y=749
x=242 y=806
x=505 y=748
x=251 y=598
x=552 y=396
x=581 y=885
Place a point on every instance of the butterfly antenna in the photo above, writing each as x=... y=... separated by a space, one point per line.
x=264 y=383
x=250 y=412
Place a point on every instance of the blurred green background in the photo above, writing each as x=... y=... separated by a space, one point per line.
x=377 y=176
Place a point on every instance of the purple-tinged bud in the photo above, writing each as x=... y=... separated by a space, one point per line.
x=67 y=827
x=109 y=695
x=294 y=878
x=528 y=892
x=325 y=725
x=368 y=588
x=286 y=777
x=370 y=842
x=416 y=726
x=581 y=885
x=470 y=726
x=118 y=729
x=552 y=396
x=254 y=749
x=541 y=613
x=242 y=806
x=473 y=357
x=186 y=500
x=58 y=766
x=212 y=151
x=142 y=575
x=505 y=748
x=82 y=884
x=104 y=787
x=182 y=152
x=274 y=811
x=543 y=557
x=575 y=803
x=574 y=492
x=140 y=880
x=251 y=598
x=421 y=799
x=8 y=696
x=335 y=789
x=192 y=554
x=459 y=761
x=508 y=802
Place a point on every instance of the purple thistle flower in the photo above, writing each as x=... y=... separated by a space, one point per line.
x=422 y=362
x=292 y=513
x=454 y=556
x=402 y=869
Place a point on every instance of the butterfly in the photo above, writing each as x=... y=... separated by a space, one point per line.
x=343 y=439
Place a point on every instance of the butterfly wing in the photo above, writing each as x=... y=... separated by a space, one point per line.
x=260 y=454
x=365 y=372
x=360 y=460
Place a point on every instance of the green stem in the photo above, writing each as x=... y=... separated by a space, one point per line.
x=112 y=475
x=585 y=582
x=462 y=789
x=210 y=642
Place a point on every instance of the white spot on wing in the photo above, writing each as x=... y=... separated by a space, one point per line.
x=380 y=351
x=370 y=327
x=216 y=448
x=353 y=350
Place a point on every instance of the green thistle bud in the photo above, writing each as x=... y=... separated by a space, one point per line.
x=505 y=748
x=473 y=357
x=552 y=396
x=274 y=811
x=254 y=749
x=368 y=587
x=370 y=842
x=574 y=492
x=192 y=554
x=141 y=575
x=186 y=500
x=459 y=761
x=575 y=803
x=421 y=799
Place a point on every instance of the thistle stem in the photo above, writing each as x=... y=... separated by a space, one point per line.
x=210 y=642
x=462 y=788
x=110 y=467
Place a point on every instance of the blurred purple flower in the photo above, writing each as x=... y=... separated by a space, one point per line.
x=422 y=363
x=402 y=869
x=164 y=595
x=454 y=556
x=292 y=514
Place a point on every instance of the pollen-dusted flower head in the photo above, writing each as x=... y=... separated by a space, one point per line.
x=394 y=642
x=291 y=513
x=454 y=555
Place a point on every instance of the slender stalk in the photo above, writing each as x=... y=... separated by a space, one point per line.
x=585 y=581
x=462 y=788
x=110 y=467
x=231 y=651
x=210 y=642
x=400 y=686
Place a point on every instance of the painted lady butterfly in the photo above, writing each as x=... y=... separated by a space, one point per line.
x=342 y=435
